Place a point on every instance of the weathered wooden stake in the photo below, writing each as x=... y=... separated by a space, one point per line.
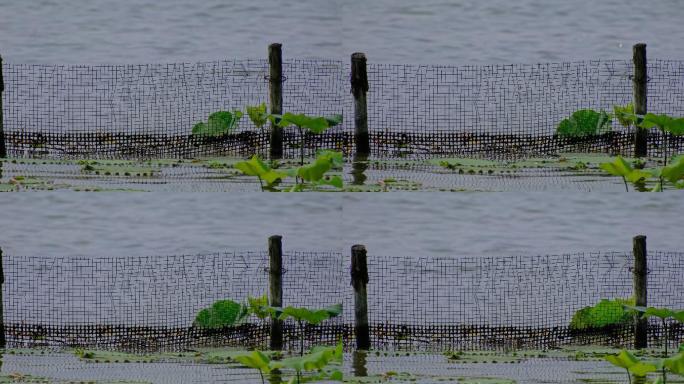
x=275 y=252
x=359 y=88
x=359 y=280
x=2 y=309
x=3 y=148
x=640 y=290
x=639 y=95
x=275 y=61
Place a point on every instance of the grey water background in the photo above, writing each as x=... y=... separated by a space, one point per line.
x=389 y=31
x=401 y=224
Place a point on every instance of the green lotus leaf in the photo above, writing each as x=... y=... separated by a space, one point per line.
x=652 y=120
x=661 y=313
x=625 y=115
x=674 y=171
x=256 y=167
x=641 y=369
x=334 y=120
x=315 y=124
x=219 y=123
x=252 y=167
x=255 y=359
x=604 y=313
x=222 y=313
x=258 y=306
x=624 y=359
x=584 y=122
x=619 y=167
x=316 y=360
x=675 y=363
x=311 y=316
x=258 y=114
x=325 y=161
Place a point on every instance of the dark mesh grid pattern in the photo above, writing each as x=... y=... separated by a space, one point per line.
x=144 y=111
x=414 y=302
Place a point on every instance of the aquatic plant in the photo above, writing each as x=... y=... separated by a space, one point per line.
x=648 y=179
x=584 y=122
x=639 y=368
x=620 y=167
x=218 y=124
x=302 y=315
x=222 y=313
x=604 y=313
x=313 y=124
x=307 y=177
x=318 y=360
x=661 y=313
x=258 y=114
x=625 y=115
x=257 y=167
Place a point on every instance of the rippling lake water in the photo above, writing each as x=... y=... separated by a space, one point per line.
x=396 y=31
x=402 y=224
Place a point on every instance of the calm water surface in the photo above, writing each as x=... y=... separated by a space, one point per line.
x=398 y=31
x=402 y=224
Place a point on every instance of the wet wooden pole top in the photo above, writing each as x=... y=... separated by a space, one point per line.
x=359 y=88
x=275 y=81
x=3 y=148
x=359 y=280
x=640 y=280
x=640 y=97
x=275 y=253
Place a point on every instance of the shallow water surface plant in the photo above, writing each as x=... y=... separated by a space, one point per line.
x=309 y=177
x=218 y=124
x=584 y=122
x=640 y=368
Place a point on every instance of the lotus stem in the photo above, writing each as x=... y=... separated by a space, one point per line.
x=665 y=327
x=301 y=146
x=301 y=338
x=625 y=181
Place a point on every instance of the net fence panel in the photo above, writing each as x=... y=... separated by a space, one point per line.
x=414 y=302
x=496 y=110
x=507 y=301
x=149 y=110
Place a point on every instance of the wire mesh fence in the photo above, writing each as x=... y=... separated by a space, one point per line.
x=145 y=303
x=124 y=111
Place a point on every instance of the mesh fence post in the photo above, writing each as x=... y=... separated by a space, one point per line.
x=275 y=62
x=2 y=309
x=640 y=290
x=3 y=148
x=359 y=280
x=275 y=253
x=359 y=88
x=639 y=96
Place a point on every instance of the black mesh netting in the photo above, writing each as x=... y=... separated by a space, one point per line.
x=414 y=302
x=496 y=110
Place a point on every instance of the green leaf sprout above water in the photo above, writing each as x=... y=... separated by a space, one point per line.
x=218 y=124
x=585 y=122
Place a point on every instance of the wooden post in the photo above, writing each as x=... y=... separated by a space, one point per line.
x=639 y=96
x=359 y=88
x=3 y=148
x=2 y=309
x=275 y=253
x=275 y=62
x=359 y=280
x=640 y=290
